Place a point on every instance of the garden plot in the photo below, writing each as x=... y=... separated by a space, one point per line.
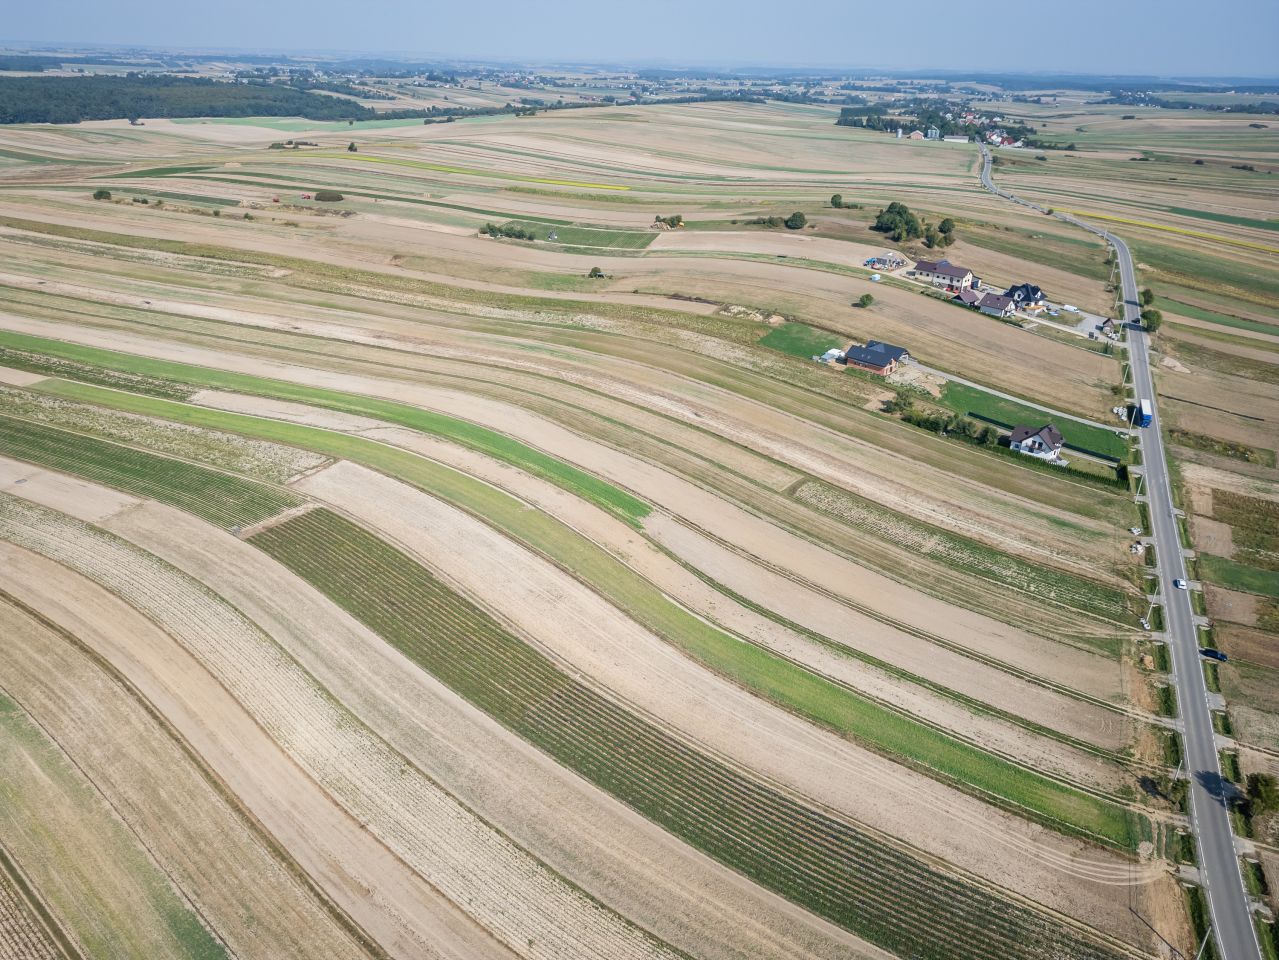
x=534 y=913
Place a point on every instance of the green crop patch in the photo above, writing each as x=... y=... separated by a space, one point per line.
x=217 y=497
x=1239 y=576
x=801 y=340
x=823 y=863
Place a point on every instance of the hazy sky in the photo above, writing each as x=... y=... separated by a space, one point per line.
x=1239 y=37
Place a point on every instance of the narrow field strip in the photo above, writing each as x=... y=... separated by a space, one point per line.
x=258 y=459
x=91 y=871
x=755 y=668
x=220 y=498
x=467 y=171
x=253 y=899
x=822 y=863
x=1197 y=234
x=532 y=911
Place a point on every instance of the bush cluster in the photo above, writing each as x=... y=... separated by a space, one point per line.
x=508 y=230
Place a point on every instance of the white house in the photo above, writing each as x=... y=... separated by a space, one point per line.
x=1042 y=442
x=943 y=273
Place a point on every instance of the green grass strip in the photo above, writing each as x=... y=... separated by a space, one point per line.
x=225 y=500
x=489 y=442
x=754 y=668
x=1239 y=576
x=823 y=863
x=587 y=236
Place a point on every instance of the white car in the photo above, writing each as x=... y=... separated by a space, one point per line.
x=1179 y=584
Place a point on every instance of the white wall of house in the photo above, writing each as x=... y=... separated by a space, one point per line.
x=1034 y=447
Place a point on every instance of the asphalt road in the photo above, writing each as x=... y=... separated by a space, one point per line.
x=1219 y=872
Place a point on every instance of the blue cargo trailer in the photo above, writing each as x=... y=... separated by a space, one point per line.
x=1145 y=413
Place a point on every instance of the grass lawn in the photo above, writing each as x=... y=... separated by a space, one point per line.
x=800 y=340
x=1239 y=576
x=1009 y=413
x=587 y=236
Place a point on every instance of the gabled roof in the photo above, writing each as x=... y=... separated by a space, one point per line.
x=970 y=296
x=1048 y=433
x=943 y=268
x=995 y=301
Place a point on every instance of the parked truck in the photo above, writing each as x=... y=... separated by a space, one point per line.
x=1145 y=413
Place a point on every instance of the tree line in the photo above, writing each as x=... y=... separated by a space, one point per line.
x=134 y=96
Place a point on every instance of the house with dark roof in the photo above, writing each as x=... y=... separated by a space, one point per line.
x=969 y=297
x=996 y=305
x=1027 y=297
x=943 y=273
x=1042 y=442
x=881 y=358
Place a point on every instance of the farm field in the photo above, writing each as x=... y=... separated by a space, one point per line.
x=485 y=605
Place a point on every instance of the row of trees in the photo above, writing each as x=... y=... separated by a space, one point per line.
x=508 y=230
x=101 y=97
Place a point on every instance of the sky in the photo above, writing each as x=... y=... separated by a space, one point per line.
x=1153 y=37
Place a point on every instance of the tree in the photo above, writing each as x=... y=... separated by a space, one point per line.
x=1152 y=319
x=596 y=273
x=352 y=148
x=796 y=221
x=931 y=237
x=947 y=226
x=897 y=221
x=101 y=194
x=865 y=300
x=837 y=201
x=1147 y=297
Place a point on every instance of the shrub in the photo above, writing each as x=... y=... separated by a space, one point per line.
x=796 y=221
x=352 y=148
x=674 y=220
x=837 y=201
x=865 y=300
x=101 y=194
x=328 y=196
x=596 y=273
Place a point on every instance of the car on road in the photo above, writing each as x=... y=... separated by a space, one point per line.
x=1213 y=654
x=1180 y=584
